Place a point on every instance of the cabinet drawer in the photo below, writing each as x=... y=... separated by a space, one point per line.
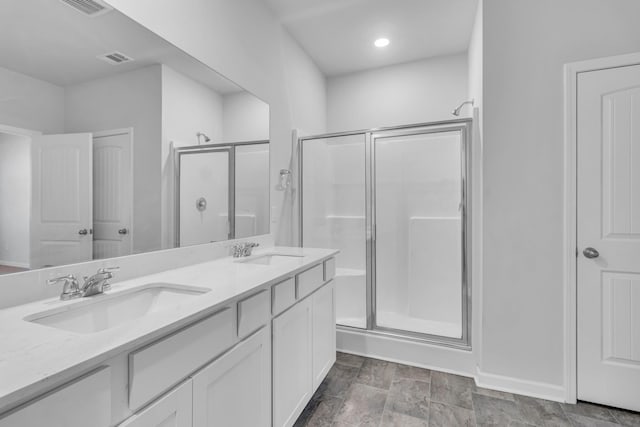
x=158 y=366
x=329 y=269
x=310 y=280
x=284 y=295
x=253 y=312
x=87 y=398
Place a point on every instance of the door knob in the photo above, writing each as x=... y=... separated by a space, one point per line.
x=591 y=253
x=83 y=232
x=123 y=231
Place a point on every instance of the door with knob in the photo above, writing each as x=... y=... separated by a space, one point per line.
x=608 y=215
x=61 y=194
x=112 y=193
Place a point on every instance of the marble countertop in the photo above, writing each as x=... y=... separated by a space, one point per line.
x=34 y=357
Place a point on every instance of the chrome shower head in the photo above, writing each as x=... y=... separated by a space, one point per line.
x=456 y=112
x=206 y=138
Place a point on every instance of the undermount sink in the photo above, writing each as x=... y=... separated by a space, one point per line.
x=106 y=311
x=272 y=259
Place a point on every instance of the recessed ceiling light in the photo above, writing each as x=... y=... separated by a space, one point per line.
x=382 y=42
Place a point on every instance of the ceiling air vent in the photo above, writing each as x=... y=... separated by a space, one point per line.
x=115 y=58
x=89 y=7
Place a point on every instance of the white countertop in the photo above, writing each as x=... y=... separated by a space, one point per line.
x=34 y=357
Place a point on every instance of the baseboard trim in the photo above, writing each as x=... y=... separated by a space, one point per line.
x=519 y=386
x=408 y=352
x=14 y=264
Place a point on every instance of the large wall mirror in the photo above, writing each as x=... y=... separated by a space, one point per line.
x=114 y=142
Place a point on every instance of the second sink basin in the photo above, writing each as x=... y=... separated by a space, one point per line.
x=107 y=311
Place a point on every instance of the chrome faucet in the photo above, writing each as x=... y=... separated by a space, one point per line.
x=97 y=283
x=243 y=249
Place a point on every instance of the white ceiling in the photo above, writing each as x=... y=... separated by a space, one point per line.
x=339 y=34
x=50 y=41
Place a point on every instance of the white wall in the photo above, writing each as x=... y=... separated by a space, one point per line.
x=131 y=99
x=245 y=118
x=415 y=92
x=15 y=197
x=244 y=42
x=526 y=44
x=30 y=103
x=188 y=107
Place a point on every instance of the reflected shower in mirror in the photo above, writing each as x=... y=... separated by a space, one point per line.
x=93 y=110
x=230 y=173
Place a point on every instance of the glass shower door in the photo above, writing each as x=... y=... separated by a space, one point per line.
x=203 y=196
x=334 y=215
x=419 y=216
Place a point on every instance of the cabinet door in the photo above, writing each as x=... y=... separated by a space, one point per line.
x=172 y=410
x=235 y=390
x=87 y=398
x=292 y=376
x=324 y=332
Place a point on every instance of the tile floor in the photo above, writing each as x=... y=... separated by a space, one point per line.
x=367 y=392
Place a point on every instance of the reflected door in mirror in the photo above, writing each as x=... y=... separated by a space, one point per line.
x=61 y=200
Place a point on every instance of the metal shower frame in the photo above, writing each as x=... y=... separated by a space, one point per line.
x=464 y=126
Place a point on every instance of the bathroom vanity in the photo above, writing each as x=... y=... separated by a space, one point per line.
x=230 y=342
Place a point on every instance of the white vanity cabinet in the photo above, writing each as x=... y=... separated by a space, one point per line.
x=304 y=349
x=235 y=389
x=71 y=405
x=292 y=371
x=172 y=410
x=253 y=361
x=324 y=332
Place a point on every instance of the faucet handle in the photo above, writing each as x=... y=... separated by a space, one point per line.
x=57 y=280
x=108 y=270
x=71 y=288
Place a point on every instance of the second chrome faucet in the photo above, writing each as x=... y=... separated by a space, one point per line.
x=93 y=285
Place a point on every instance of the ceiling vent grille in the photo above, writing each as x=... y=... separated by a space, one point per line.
x=115 y=58
x=89 y=7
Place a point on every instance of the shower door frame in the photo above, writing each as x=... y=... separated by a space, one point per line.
x=464 y=126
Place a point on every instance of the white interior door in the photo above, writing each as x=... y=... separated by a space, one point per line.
x=609 y=237
x=112 y=194
x=61 y=218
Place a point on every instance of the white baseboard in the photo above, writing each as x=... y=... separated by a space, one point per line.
x=408 y=352
x=14 y=264
x=519 y=386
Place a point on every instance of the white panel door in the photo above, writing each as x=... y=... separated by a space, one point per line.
x=112 y=194
x=292 y=358
x=324 y=332
x=235 y=390
x=61 y=194
x=172 y=410
x=609 y=237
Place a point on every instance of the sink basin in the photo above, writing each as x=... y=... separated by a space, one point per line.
x=106 y=311
x=272 y=259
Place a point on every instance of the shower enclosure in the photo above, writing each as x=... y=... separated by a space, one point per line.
x=394 y=201
x=221 y=192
